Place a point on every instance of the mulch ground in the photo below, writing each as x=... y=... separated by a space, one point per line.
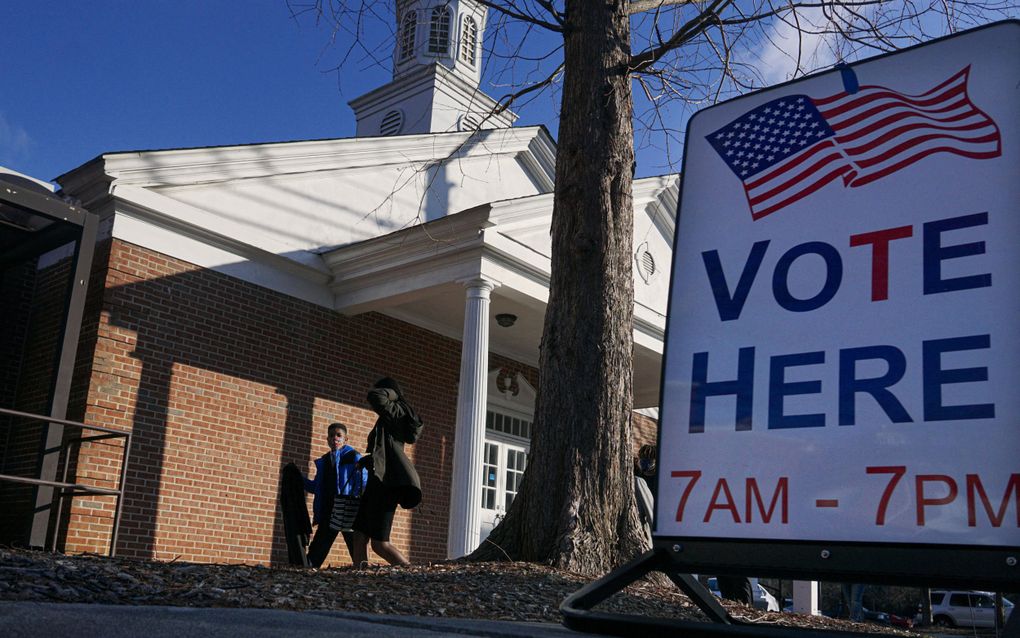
x=495 y=591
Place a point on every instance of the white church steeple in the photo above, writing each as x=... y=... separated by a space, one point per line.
x=437 y=58
x=447 y=32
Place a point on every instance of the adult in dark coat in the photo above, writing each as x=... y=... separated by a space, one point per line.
x=392 y=479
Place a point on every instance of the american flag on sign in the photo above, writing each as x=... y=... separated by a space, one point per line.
x=788 y=148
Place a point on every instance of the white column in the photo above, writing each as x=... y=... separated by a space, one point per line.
x=466 y=486
x=805 y=597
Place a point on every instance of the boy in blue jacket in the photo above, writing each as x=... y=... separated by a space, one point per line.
x=336 y=472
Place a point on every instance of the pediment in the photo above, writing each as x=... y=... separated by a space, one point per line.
x=316 y=195
x=509 y=389
x=526 y=222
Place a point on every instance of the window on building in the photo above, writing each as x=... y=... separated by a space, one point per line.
x=516 y=460
x=439 y=31
x=490 y=476
x=504 y=459
x=407 y=28
x=469 y=40
x=506 y=424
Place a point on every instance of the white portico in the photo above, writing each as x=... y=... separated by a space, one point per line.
x=439 y=220
x=457 y=276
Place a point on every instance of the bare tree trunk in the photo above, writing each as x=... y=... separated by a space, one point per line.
x=575 y=509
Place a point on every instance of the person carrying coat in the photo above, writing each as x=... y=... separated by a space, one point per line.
x=336 y=472
x=392 y=479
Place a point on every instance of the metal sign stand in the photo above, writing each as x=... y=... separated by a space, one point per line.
x=578 y=615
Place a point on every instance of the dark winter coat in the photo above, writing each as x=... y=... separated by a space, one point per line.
x=324 y=485
x=296 y=527
x=397 y=425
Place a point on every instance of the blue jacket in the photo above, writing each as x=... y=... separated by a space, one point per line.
x=351 y=481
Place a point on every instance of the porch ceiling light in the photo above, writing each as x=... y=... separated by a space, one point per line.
x=506 y=319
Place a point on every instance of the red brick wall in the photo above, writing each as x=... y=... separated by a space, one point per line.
x=644 y=430
x=223 y=383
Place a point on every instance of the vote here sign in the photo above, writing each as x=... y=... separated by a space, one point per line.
x=843 y=350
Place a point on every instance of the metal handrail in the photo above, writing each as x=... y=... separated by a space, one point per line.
x=70 y=490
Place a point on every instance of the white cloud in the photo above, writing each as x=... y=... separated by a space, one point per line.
x=786 y=43
x=15 y=142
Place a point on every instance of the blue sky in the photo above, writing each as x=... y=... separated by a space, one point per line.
x=85 y=77
x=81 y=78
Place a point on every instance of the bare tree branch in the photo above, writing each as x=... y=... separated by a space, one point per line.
x=682 y=35
x=551 y=8
x=640 y=6
x=507 y=100
x=511 y=10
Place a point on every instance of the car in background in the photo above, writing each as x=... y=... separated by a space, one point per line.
x=885 y=618
x=966 y=608
x=762 y=598
x=901 y=621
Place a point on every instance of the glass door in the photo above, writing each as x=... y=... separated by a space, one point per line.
x=503 y=465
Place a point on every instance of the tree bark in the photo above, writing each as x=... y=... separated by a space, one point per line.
x=575 y=509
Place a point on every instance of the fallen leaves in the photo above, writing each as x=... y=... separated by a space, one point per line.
x=497 y=591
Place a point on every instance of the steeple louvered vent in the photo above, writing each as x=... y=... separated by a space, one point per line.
x=392 y=122
x=470 y=122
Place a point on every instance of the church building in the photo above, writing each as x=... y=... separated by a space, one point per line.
x=242 y=298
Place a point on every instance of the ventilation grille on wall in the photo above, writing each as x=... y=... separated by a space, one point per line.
x=648 y=262
x=645 y=263
x=392 y=122
x=470 y=122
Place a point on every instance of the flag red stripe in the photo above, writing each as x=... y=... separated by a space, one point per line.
x=899 y=114
x=791 y=164
x=821 y=101
x=799 y=177
x=896 y=132
x=825 y=179
x=870 y=177
x=896 y=98
x=834 y=98
x=914 y=141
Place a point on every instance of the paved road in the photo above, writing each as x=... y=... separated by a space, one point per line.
x=32 y=620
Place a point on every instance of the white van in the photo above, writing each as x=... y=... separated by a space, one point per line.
x=966 y=608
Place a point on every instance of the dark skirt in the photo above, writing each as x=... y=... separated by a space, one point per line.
x=378 y=505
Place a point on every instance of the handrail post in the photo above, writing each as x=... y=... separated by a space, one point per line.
x=63 y=488
x=119 y=505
